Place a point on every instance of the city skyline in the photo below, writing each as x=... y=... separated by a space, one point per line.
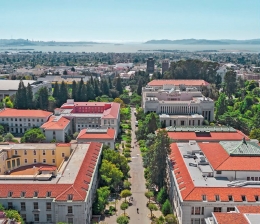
x=114 y=21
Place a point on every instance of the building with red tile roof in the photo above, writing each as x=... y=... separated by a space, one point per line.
x=19 y=121
x=205 y=134
x=66 y=197
x=177 y=105
x=57 y=127
x=178 y=82
x=104 y=136
x=94 y=115
x=214 y=177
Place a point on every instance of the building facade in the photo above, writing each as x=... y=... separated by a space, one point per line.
x=178 y=106
x=212 y=177
x=165 y=66
x=52 y=194
x=19 y=121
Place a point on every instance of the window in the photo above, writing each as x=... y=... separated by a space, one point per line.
x=70 y=220
x=49 y=219
x=35 y=194
x=23 y=207
x=44 y=160
x=217 y=197
x=217 y=209
x=34 y=152
x=25 y=160
x=48 y=205
x=197 y=211
x=36 y=218
x=70 y=197
x=35 y=205
x=53 y=152
x=42 y=120
x=53 y=160
x=63 y=154
x=23 y=194
x=248 y=178
x=243 y=197
x=37 y=120
x=10 y=194
x=43 y=153
x=256 y=178
x=219 y=172
x=11 y=119
x=48 y=194
x=32 y=119
x=15 y=119
x=10 y=205
x=15 y=152
x=204 y=198
x=23 y=217
x=195 y=221
x=230 y=209
x=25 y=152
x=256 y=198
x=112 y=121
x=230 y=197
x=70 y=210
x=34 y=161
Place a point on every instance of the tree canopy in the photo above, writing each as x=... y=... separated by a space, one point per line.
x=33 y=135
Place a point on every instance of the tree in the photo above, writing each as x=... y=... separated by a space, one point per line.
x=230 y=83
x=67 y=138
x=7 y=102
x=29 y=95
x=124 y=206
x=110 y=174
x=74 y=90
x=255 y=134
x=157 y=159
x=56 y=90
x=20 y=97
x=73 y=69
x=83 y=96
x=149 y=194
x=221 y=105
x=13 y=214
x=162 y=195
x=127 y=184
x=152 y=207
x=101 y=200
x=122 y=219
x=125 y=193
x=105 y=87
x=90 y=91
x=166 y=208
x=33 y=135
x=8 y=137
x=118 y=100
x=2 y=129
x=42 y=98
x=171 y=219
x=63 y=93
x=119 y=86
x=80 y=85
x=139 y=88
x=96 y=88
x=65 y=72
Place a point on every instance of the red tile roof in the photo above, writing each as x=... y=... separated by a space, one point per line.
x=112 y=112
x=60 y=191
x=230 y=218
x=177 y=82
x=110 y=134
x=190 y=192
x=220 y=159
x=8 y=112
x=214 y=136
x=249 y=209
x=60 y=124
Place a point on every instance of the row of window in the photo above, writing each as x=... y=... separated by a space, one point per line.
x=36 y=218
x=36 y=193
x=200 y=210
x=230 y=198
x=35 y=160
x=108 y=121
x=35 y=152
x=20 y=119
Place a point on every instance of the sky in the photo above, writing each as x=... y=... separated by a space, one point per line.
x=129 y=20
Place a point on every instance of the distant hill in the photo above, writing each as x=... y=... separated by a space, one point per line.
x=23 y=42
x=203 y=42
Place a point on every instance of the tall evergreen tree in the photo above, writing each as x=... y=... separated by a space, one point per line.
x=221 y=105
x=42 y=98
x=91 y=80
x=56 y=90
x=119 y=87
x=63 y=94
x=110 y=83
x=96 y=88
x=139 y=87
x=83 y=94
x=29 y=94
x=105 y=87
x=80 y=84
x=90 y=91
x=74 y=91
x=20 y=98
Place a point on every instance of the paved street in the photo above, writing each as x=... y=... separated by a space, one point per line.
x=138 y=186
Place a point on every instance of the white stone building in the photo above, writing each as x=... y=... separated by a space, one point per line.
x=66 y=197
x=19 y=121
x=212 y=177
x=10 y=87
x=178 y=106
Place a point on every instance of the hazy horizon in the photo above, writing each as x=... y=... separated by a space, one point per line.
x=129 y=21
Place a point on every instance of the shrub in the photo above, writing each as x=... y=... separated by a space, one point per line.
x=128 y=145
x=166 y=208
x=162 y=196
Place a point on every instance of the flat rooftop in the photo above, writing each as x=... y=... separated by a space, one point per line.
x=35 y=146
